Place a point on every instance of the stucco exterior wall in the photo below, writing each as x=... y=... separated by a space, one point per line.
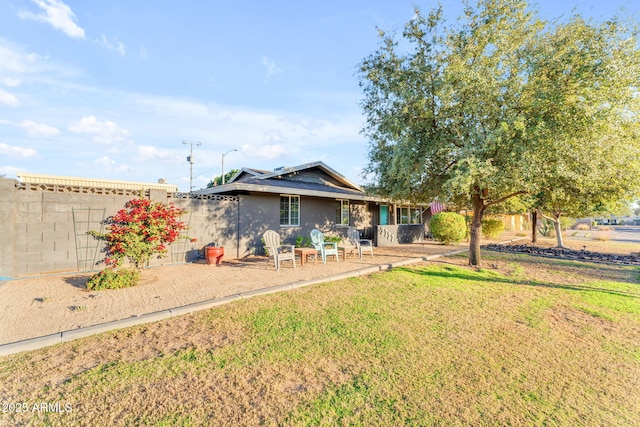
x=389 y=235
x=261 y=212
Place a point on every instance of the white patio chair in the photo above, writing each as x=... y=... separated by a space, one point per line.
x=276 y=250
x=361 y=244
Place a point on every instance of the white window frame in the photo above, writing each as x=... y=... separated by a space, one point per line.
x=340 y=213
x=409 y=211
x=290 y=214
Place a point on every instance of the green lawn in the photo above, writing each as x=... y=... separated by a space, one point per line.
x=526 y=342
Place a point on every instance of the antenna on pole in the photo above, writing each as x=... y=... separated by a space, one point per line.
x=190 y=160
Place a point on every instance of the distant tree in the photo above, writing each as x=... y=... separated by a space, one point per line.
x=218 y=179
x=468 y=113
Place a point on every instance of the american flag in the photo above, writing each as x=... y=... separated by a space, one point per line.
x=436 y=207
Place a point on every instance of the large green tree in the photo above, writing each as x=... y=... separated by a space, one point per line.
x=467 y=113
x=584 y=117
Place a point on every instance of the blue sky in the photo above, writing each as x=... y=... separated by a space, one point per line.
x=111 y=89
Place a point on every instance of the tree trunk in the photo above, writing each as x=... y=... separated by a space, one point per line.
x=558 y=228
x=476 y=230
x=534 y=228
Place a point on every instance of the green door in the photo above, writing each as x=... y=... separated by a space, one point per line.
x=384 y=215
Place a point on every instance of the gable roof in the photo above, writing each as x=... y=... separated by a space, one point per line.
x=246 y=172
x=311 y=179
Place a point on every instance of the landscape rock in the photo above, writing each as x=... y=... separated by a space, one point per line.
x=566 y=253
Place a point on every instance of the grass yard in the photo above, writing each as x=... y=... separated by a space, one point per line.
x=528 y=341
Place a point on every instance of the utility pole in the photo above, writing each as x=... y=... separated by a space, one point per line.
x=223 y=163
x=190 y=160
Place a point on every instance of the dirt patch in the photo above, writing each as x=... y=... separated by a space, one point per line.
x=39 y=306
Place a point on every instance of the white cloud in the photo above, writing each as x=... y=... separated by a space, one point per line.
x=109 y=165
x=38 y=129
x=264 y=151
x=56 y=13
x=10 y=171
x=115 y=45
x=10 y=82
x=148 y=152
x=271 y=67
x=7 y=98
x=35 y=68
x=106 y=132
x=16 y=152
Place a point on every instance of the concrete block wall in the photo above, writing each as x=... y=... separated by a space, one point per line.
x=45 y=231
x=7 y=230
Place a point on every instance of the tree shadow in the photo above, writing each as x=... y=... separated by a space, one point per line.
x=597 y=270
x=459 y=273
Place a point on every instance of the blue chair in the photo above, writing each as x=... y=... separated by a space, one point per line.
x=323 y=248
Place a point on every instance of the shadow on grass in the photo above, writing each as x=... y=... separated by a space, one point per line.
x=458 y=273
x=599 y=270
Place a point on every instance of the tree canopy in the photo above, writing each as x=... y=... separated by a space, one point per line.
x=218 y=179
x=501 y=105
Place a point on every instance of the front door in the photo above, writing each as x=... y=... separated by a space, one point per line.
x=384 y=215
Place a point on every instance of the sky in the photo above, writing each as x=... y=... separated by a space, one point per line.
x=125 y=89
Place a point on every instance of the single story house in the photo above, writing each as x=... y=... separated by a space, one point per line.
x=295 y=200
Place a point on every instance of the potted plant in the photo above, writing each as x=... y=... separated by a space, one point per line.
x=214 y=253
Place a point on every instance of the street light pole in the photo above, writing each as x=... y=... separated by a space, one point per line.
x=223 y=163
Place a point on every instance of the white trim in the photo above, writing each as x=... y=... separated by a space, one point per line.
x=289 y=225
x=340 y=223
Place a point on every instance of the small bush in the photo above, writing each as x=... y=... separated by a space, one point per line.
x=303 y=242
x=448 y=227
x=546 y=228
x=602 y=236
x=331 y=238
x=582 y=226
x=111 y=278
x=492 y=228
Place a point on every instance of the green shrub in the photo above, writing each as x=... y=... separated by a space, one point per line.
x=546 y=228
x=448 y=227
x=111 y=278
x=303 y=242
x=331 y=238
x=492 y=228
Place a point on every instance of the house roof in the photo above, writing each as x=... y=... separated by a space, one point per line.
x=311 y=179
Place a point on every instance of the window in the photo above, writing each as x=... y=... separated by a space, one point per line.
x=416 y=216
x=403 y=215
x=409 y=215
x=290 y=211
x=342 y=212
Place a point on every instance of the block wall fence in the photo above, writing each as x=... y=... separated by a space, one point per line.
x=43 y=228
